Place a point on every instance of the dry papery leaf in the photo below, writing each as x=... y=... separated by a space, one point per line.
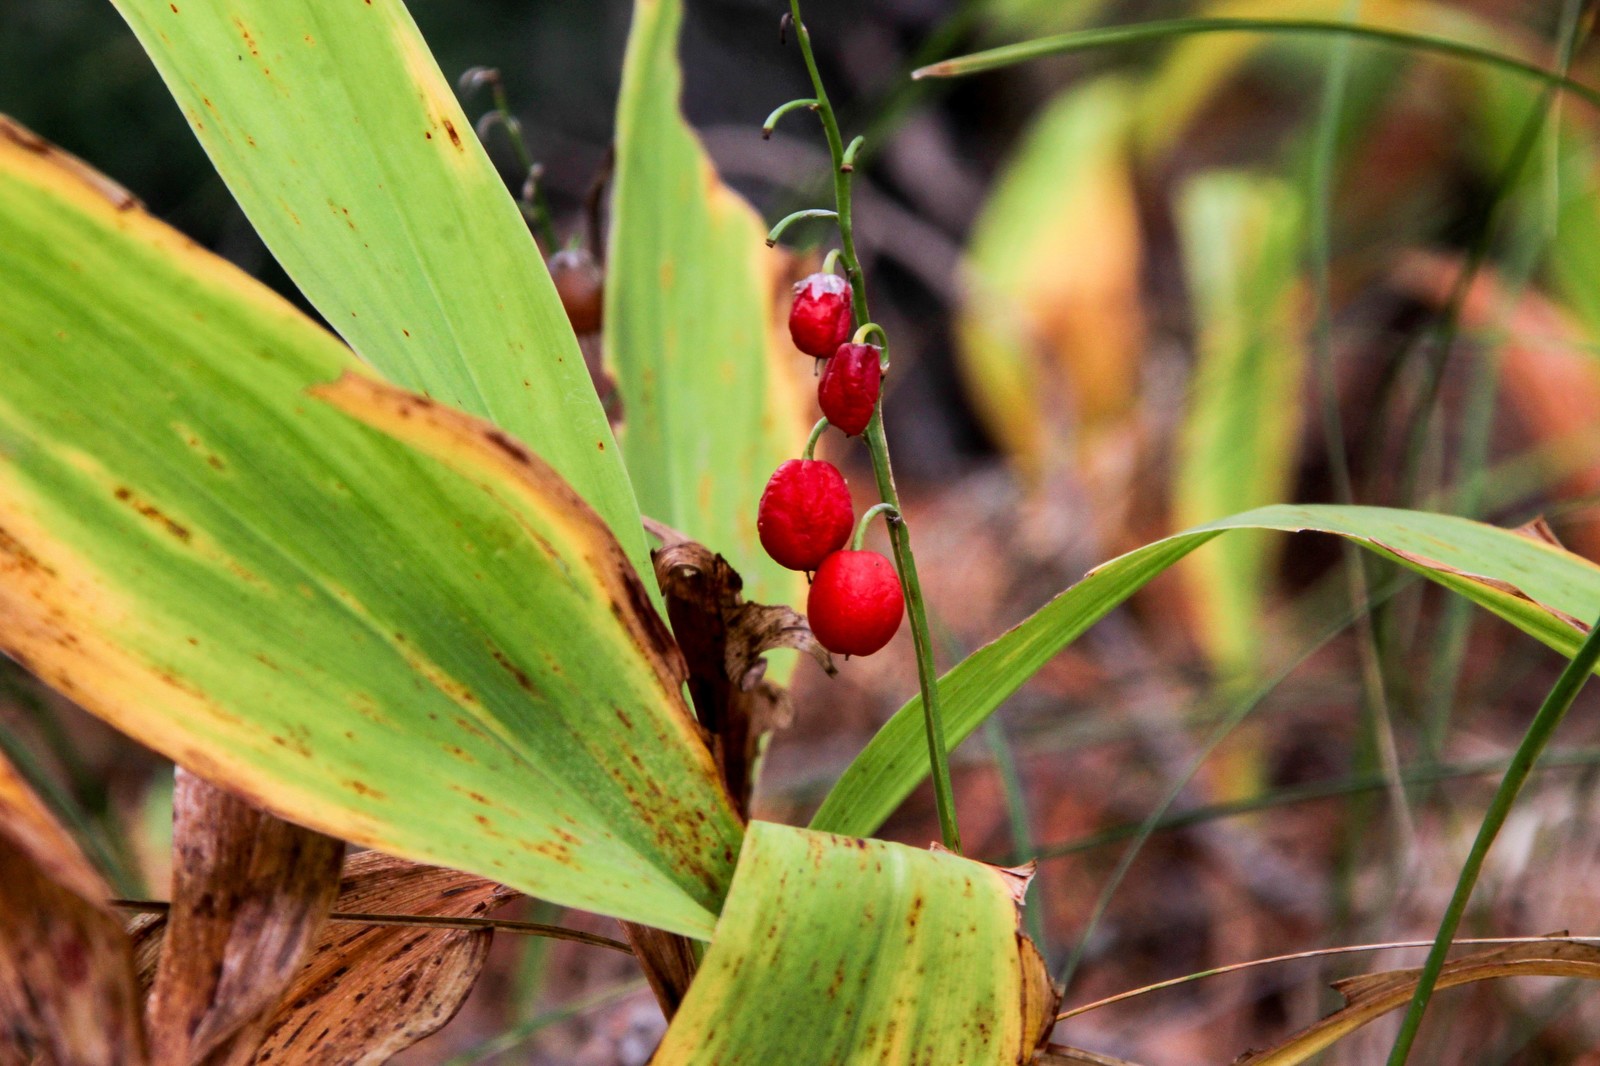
x=67 y=991
x=249 y=894
x=668 y=961
x=723 y=639
x=1370 y=996
x=369 y=991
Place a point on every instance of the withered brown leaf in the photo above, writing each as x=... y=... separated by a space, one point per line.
x=67 y=990
x=249 y=894
x=370 y=991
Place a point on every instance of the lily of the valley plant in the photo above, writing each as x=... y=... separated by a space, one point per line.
x=391 y=585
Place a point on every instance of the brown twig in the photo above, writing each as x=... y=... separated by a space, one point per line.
x=554 y=932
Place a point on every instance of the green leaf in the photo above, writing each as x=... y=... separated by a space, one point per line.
x=435 y=649
x=857 y=951
x=1539 y=588
x=344 y=144
x=711 y=401
x=1241 y=239
x=1165 y=29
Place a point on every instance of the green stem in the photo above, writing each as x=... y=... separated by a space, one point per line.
x=868 y=330
x=866 y=522
x=816 y=435
x=883 y=473
x=830 y=261
x=849 y=160
x=535 y=208
x=788 y=220
x=1544 y=724
x=783 y=109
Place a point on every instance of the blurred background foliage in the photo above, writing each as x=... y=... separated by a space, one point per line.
x=1130 y=290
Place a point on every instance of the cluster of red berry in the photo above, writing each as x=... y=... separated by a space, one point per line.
x=805 y=518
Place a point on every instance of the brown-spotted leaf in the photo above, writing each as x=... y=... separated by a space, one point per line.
x=67 y=990
x=370 y=991
x=1370 y=996
x=250 y=892
x=833 y=949
x=277 y=595
x=1040 y=996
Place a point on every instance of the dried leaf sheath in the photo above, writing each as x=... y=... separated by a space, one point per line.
x=249 y=894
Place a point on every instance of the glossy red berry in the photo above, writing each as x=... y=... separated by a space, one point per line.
x=819 y=318
x=581 y=285
x=855 y=604
x=805 y=513
x=848 y=391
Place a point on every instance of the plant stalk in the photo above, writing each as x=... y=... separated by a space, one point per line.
x=878 y=446
x=1544 y=724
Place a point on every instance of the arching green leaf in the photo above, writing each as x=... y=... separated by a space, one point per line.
x=1537 y=587
x=432 y=648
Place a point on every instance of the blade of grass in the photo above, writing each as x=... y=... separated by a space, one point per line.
x=1087 y=40
x=1544 y=724
x=1022 y=845
x=1440 y=340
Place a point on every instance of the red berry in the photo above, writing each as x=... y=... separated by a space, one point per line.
x=848 y=391
x=581 y=286
x=819 y=318
x=805 y=513
x=855 y=604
